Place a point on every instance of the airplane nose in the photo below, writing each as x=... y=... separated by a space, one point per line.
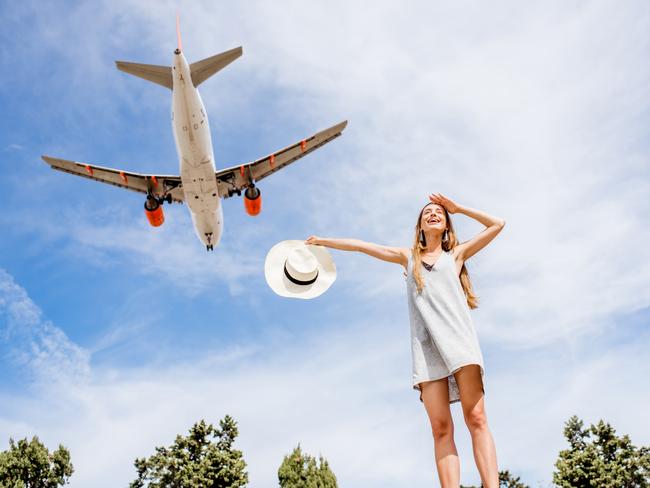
x=177 y=51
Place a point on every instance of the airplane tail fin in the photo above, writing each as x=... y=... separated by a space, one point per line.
x=204 y=69
x=157 y=74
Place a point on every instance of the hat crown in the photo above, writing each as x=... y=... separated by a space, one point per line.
x=302 y=264
x=296 y=270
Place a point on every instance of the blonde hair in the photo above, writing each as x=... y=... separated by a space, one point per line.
x=448 y=244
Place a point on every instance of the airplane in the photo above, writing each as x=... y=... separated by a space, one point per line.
x=199 y=184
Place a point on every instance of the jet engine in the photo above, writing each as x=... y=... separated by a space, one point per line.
x=253 y=201
x=154 y=212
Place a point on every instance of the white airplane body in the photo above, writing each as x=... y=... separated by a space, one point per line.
x=195 y=154
x=199 y=184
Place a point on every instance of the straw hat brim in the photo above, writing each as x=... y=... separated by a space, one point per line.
x=280 y=284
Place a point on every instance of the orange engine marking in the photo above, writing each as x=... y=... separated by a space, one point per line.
x=89 y=170
x=123 y=176
x=303 y=145
x=155 y=180
x=241 y=170
x=272 y=160
x=253 y=207
x=155 y=217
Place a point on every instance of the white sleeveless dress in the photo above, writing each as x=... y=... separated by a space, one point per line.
x=443 y=338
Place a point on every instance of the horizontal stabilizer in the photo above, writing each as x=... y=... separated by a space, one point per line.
x=158 y=74
x=204 y=69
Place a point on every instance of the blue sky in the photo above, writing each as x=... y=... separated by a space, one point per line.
x=115 y=336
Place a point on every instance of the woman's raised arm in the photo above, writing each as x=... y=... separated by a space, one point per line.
x=398 y=255
x=493 y=226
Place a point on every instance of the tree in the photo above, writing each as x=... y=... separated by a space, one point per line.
x=29 y=464
x=506 y=480
x=196 y=461
x=300 y=470
x=597 y=457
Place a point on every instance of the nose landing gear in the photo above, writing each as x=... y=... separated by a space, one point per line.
x=209 y=246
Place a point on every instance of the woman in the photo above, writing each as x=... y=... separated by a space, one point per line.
x=447 y=360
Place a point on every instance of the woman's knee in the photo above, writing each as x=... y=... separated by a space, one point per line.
x=476 y=419
x=442 y=427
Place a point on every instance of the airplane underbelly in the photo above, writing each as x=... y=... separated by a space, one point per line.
x=208 y=225
x=202 y=198
x=200 y=186
x=198 y=172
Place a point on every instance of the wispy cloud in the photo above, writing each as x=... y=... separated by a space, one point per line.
x=341 y=392
x=536 y=120
x=111 y=235
x=43 y=350
x=537 y=114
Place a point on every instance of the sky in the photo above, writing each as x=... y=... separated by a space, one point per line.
x=115 y=336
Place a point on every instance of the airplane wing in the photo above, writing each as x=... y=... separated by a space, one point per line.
x=159 y=185
x=233 y=180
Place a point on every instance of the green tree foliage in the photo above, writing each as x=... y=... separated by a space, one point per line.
x=597 y=457
x=300 y=470
x=203 y=459
x=506 y=480
x=29 y=464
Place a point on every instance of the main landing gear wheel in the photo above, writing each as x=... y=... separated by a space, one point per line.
x=155 y=201
x=209 y=247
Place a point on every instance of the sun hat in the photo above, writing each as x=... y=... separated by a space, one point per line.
x=296 y=270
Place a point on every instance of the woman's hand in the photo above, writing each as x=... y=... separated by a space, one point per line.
x=313 y=240
x=440 y=199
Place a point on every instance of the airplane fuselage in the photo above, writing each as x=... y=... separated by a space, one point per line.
x=196 y=157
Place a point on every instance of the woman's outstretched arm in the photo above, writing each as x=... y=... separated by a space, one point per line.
x=493 y=226
x=398 y=255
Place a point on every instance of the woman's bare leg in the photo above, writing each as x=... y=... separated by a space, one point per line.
x=435 y=395
x=472 y=399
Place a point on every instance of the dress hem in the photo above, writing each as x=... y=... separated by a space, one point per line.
x=416 y=384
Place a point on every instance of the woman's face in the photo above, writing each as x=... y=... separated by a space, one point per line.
x=433 y=218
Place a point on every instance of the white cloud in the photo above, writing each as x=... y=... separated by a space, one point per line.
x=341 y=392
x=112 y=236
x=534 y=113
x=34 y=343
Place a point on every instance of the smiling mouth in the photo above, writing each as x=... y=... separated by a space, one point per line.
x=433 y=221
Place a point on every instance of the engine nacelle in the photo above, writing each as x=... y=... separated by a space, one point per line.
x=154 y=212
x=253 y=201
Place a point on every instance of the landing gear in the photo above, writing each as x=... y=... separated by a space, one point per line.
x=154 y=201
x=209 y=246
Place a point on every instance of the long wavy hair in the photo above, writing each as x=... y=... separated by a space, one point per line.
x=449 y=242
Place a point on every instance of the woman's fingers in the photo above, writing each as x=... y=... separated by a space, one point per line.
x=440 y=199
